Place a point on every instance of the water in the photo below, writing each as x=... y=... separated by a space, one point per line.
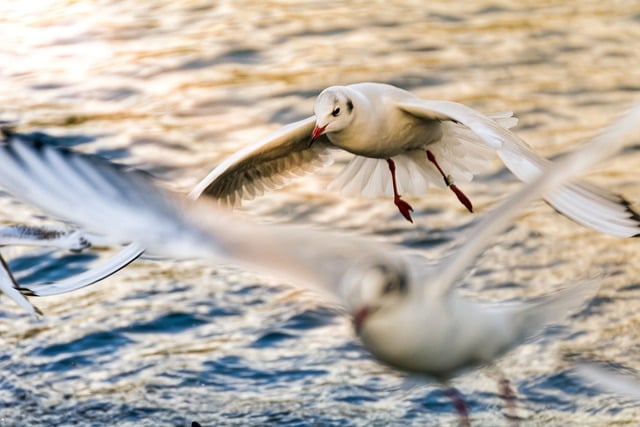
x=178 y=86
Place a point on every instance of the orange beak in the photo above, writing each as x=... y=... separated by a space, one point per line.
x=317 y=132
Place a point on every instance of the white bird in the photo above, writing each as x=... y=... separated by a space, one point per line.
x=58 y=237
x=403 y=144
x=407 y=315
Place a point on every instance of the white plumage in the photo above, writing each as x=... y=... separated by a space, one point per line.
x=389 y=129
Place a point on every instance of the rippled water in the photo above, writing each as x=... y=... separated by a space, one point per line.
x=177 y=86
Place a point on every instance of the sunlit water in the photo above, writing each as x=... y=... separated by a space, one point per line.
x=177 y=86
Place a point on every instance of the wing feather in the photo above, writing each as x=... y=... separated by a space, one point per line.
x=584 y=203
x=266 y=165
x=597 y=150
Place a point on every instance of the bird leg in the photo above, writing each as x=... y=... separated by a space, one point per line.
x=508 y=395
x=404 y=207
x=448 y=180
x=460 y=405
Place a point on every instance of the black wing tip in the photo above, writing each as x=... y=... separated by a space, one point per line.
x=633 y=214
x=26 y=291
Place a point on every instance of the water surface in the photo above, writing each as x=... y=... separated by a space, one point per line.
x=177 y=86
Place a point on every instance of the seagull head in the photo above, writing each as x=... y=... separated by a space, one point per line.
x=375 y=292
x=333 y=110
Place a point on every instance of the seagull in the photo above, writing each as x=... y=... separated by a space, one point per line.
x=406 y=313
x=402 y=144
x=59 y=237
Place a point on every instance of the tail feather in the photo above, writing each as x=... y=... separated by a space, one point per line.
x=460 y=153
x=529 y=319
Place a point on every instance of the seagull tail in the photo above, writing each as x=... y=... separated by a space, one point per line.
x=530 y=318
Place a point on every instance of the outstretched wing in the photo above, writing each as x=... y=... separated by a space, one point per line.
x=599 y=149
x=584 y=203
x=268 y=164
x=58 y=237
x=115 y=263
x=104 y=198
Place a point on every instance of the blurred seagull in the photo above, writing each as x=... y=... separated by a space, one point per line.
x=403 y=144
x=58 y=237
x=406 y=314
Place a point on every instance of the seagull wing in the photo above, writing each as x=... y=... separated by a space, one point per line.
x=117 y=262
x=584 y=203
x=104 y=198
x=59 y=237
x=602 y=147
x=268 y=164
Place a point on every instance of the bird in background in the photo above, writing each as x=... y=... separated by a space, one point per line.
x=402 y=144
x=406 y=313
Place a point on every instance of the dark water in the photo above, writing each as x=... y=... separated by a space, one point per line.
x=177 y=86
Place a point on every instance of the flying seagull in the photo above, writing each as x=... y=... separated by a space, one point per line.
x=407 y=315
x=402 y=144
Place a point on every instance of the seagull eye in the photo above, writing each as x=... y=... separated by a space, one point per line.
x=336 y=112
x=396 y=281
x=390 y=287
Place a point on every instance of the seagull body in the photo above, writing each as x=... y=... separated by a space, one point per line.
x=407 y=314
x=402 y=145
x=444 y=337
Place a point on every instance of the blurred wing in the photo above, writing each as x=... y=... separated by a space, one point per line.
x=584 y=203
x=609 y=379
x=9 y=287
x=89 y=193
x=599 y=149
x=114 y=264
x=58 y=237
x=268 y=164
x=124 y=204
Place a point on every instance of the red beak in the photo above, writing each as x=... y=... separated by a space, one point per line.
x=317 y=132
x=359 y=318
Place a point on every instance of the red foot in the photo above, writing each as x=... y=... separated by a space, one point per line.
x=508 y=395
x=462 y=197
x=404 y=208
x=460 y=405
x=449 y=183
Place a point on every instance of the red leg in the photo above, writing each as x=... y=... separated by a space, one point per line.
x=404 y=207
x=449 y=183
x=461 y=407
x=509 y=397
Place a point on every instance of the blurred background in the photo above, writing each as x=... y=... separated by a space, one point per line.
x=176 y=86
